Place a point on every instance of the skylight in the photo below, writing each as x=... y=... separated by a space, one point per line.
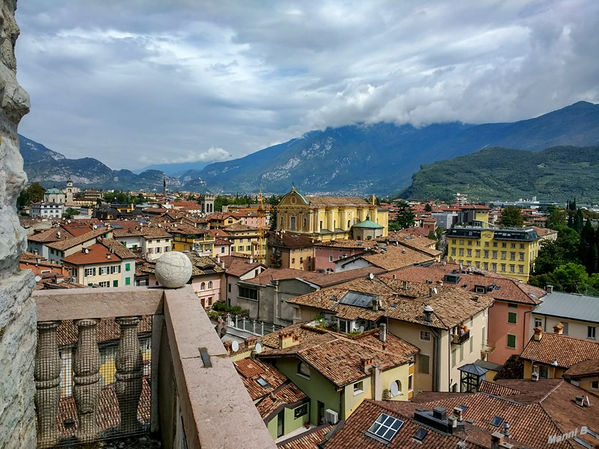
x=263 y=383
x=385 y=427
x=421 y=434
x=496 y=421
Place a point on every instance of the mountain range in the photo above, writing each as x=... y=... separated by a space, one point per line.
x=378 y=158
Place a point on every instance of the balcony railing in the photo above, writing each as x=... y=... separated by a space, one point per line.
x=178 y=384
x=460 y=338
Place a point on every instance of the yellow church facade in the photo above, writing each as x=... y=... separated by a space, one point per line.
x=327 y=218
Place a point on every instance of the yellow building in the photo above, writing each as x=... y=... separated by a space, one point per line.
x=510 y=252
x=190 y=238
x=326 y=218
x=244 y=240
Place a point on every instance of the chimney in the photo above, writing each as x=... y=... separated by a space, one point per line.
x=375 y=304
x=377 y=384
x=287 y=339
x=498 y=441
x=439 y=413
x=404 y=285
x=549 y=288
x=383 y=333
x=367 y=364
x=458 y=413
x=558 y=329
x=538 y=333
x=251 y=342
x=428 y=313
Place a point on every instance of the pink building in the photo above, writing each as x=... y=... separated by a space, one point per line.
x=207 y=279
x=327 y=253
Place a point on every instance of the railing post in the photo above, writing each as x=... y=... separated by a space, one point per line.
x=262 y=329
x=236 y=321
x=243 y=323
x=86 y=376
x=129 y=373
x=47 y=384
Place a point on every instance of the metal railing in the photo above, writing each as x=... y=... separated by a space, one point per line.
x=113 y=363
x=254 y=327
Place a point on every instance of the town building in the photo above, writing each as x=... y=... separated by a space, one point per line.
x=508 y=414
x=290 y=250
x=37 y=243
x=46 y=210
x=191 y=238
x=244 y=240
x=578 y=314
x=509 y=251
x=60 y=249
x=240 y=269
x=54 y=195
x=327 y=253
x=70 y=191
x=281 y=404
x=509 y=316
x=207 y=279
x=337 y=372
x=388 y=257
x=327 y=217
x=448 y=325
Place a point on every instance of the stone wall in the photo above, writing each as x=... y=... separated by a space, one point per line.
x=17 y=309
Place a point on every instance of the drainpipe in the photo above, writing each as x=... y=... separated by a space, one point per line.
x=436 y=359
x=276 y=309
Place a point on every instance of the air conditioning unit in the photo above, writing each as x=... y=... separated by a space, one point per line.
x=331 y=416
x=535 y=376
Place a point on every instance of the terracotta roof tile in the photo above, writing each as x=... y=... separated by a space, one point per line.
x=50 y=235
x=320 y=279
x=94 y=254
x=583 y=369
x=74 y=241
x=238 y=266
x=394 y=257
x=308 y=439
x=563 y=349
x=118 y=248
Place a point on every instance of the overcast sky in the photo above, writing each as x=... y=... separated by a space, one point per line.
x=135 y=82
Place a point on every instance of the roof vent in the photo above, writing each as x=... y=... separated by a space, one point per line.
x=428 y=313
x=549 y=288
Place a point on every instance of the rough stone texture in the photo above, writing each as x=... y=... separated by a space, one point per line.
x=173 y=269
x=17 y=308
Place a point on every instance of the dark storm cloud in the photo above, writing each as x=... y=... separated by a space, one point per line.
x=134 y=83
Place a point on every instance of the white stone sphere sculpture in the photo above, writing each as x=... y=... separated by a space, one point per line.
x=173 y=269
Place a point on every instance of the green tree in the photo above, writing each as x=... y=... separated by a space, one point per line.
x=553 y=254
x=405 y=217
x=578 y=221
x=572 y=277
x=428 y=207
x=511 y=217
x=70 y=213
x=556 y=218
x=588 y=247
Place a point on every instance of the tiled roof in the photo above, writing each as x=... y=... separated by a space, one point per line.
x=320 y=279
x=337 y=201
x=508 y=289
x=394 y=257
x=204 y=265
x=353 y=433
x=347 y=243
x=289 y=240
x=50 y=235
x=583 y=369
x=74 y=241
x=412 y=241
x=563 y=349
x=404 y=302
x=94 y=254
x=185 y=229
x=543 y=232
x=118 y=248
x=238 y=227
x=337 y=357
x=287 y=395
x=107 y=330
x=308 y=439
x=237 y=266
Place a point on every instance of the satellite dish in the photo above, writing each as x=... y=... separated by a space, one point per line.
x=235 y=346
x=394 y=388
x=38 y=278
x=370 y=276
x=258 y=348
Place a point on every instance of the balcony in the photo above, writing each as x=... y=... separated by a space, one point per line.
x=165 y=375
x=460 y=338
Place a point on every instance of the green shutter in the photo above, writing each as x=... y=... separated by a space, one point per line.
x=127 y=267
x=127 y=281
x=115 y=283
x=511 y=341
x=512 y=317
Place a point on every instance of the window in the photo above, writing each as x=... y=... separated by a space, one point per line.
x=486 y=253
x=477 y=253
x=469 y=242
x=511 y=341
x=503 y=255
x=330 y=258
x=203 y=286
x=358 y=388
x=115 y=283
x=521 y=255
x=512 y=245
x=293 y=260
x=420 y=434
x=494 y=266
x=502 y=267
x=209 y=284
x=461 y=353
x=303 y=369
x=104 y=284
x=262 y=382
x=504 y=245
x=453 y=251
x=249 y=293
x=512 y=255
x=494 y=254
x=538 y=322
x=425 y=335
x=461 y=251
x=411 y=382
x=512 y=317
x=292 y=222
x=127 y=281
x=385 y=427
x=494 y=244
x=595 y=385
x=300 y=411
x=90 y=272
x=591 y=332
x=229 y=288
x=321 y=225
x=469 y=253
x=423 y=364
x=395 y=388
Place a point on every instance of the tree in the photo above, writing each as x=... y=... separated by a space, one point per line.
x=32 y=194
x=572 y=277
x=588 y=247
x=428 y=207
x=556 y=218
x=578 y=221
x=553 y=254
x=405 y=217
x=511 y=216
x=70 y=213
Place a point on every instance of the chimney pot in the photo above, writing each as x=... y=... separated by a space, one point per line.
x=538 y=333
x=558 y=329
x=549 y=288
x=383 y=332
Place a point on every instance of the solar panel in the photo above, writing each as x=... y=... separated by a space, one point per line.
x=385 y=427
x=263 y=383
x=358 y=299
x=496 y=421
x=421 y=434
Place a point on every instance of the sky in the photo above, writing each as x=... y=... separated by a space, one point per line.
x=140 y=82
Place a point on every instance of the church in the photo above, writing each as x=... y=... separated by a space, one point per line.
x=326 y=218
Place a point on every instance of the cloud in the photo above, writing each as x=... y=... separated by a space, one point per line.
x=133 y=83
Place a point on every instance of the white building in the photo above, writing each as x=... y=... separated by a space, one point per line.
x=46 y=210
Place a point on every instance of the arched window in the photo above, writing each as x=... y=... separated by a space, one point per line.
x=203 y=286
x=209 y=284
x=395 y=388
